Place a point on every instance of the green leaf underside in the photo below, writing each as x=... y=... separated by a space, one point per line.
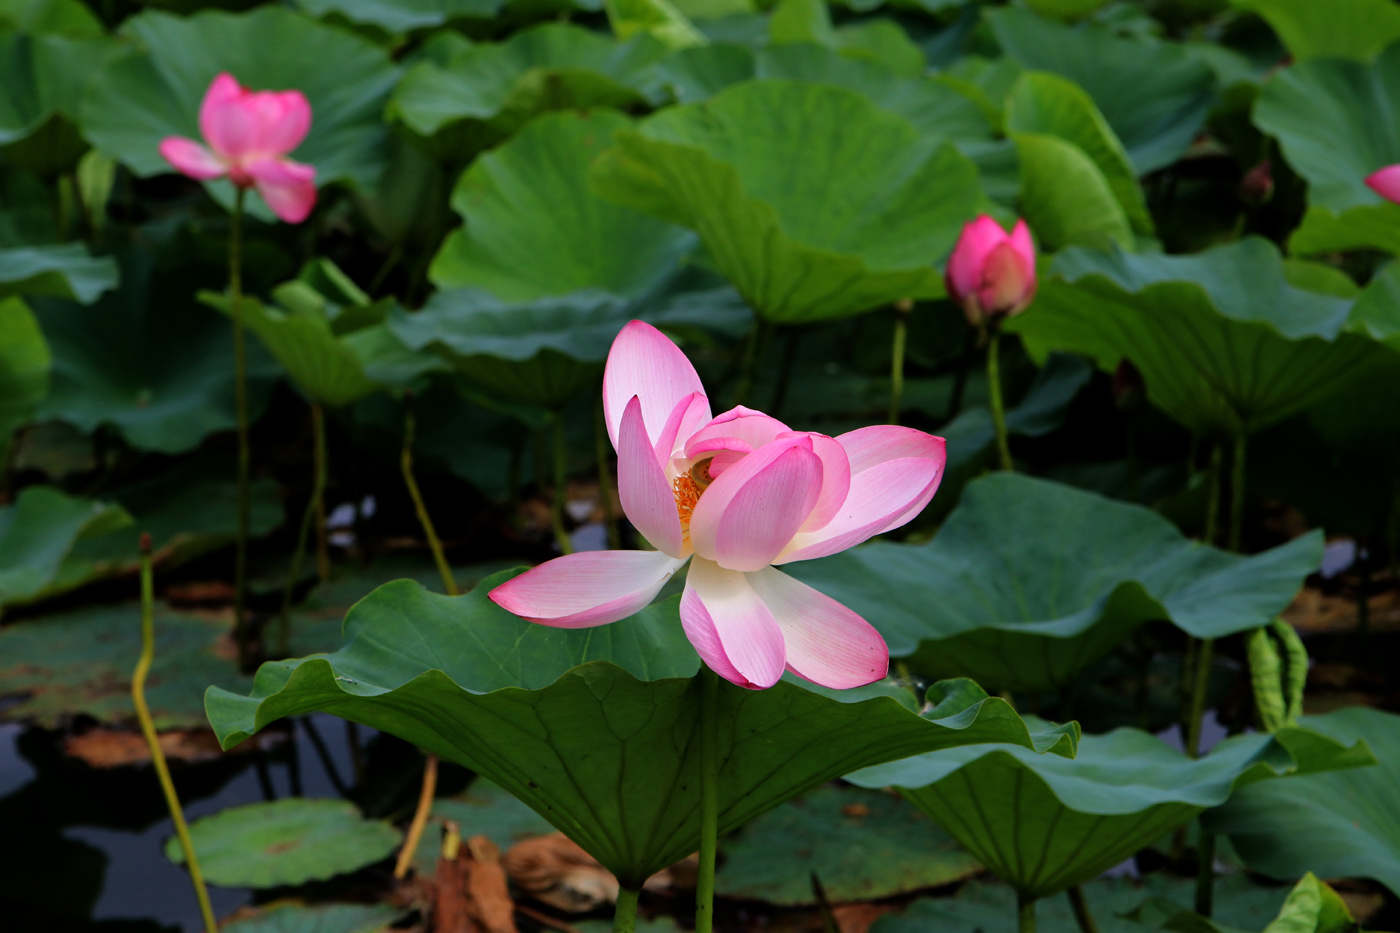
x=813 y=201
x=1030 y=611
x=38 y=531
x=285 y=842
x=1043 y=827
x=560 y=719
x=1224 y=343
x=1340 y=824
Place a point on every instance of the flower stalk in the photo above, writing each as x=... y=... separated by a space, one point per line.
x=998 y=409
x=313 y=513
x=242 y=635
x=901 y=336
x=709 y=800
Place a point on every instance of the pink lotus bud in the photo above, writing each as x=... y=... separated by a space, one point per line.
x=249 y=135
x=1257 y=186
x=992 y=273
x=1386 y=183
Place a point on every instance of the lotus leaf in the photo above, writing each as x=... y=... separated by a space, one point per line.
x=1339 y=825
x=812 y=200
x=660 y=19
x=43 y=78
x=24 y=368
x=283 y=842
x=1341 y=29
x=1031 y=610
x=534 y=229
x=323 y=918
x=1155 y=95
x=1043 y=828
x=401 y=16
x=38 y=531
x=60 y=271
x=1085 y=211
x=1225 y=344
x=1311 y=907
x=561 y=719
x=51 y=17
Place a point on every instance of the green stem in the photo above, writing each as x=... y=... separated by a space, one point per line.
x=998 y=410
x=606 y=483
x=148 y=729
x=960 y=380
x=709 y=800
x=1025 y=913
x=1198 y=697
x=1205 y=873
x=240 y=395
x=449 y=585
x=308 y=516
x=625 y=917
x=901 y=337
x=758 y=337
x=1080 y=906
x=561 y=493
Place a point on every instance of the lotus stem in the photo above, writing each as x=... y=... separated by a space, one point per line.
x=308 y=516
x=998 y=410
x=1205 y=873
x=1025 y=913
x=960 y=380
x=709 y=800
x=625 y=917
x=1082 y=915
x=449 y=585
x=901 y=336
x=420 y=817
x=753 y=351
x=1198 y=697
x=1203 y=650
x=240 y=396
x=606 y=483
x=561 y=470
x=148 y=729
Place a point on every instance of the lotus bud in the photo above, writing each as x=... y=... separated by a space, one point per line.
x=1386 y=182
x=1257 y=186
x=992 y=273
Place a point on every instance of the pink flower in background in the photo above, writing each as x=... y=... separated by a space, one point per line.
x=1386 y=182
x=734 y=494
x=249 y=135
x=992 y=273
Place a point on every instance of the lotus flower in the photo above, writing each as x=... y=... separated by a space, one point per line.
x=1386 y=182
x=992 y=273
x=734 y=495
x=249 y=135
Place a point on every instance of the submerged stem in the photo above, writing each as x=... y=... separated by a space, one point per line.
x=148 y=729
x=901 y=336
x=449 y=585
x=561 y=470
x=420 y=817
x=709 y=800
x=998 y=410
x=625 y=916
x=240 y=398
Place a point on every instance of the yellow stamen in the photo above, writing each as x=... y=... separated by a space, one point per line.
x=687 y=494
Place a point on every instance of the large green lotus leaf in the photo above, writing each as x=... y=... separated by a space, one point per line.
x=323 y=918
x=149 y=361
x=401 y=16
x=51 y=17
x=561 y=719
x=1323 y=114
x=1224 y=342
x=144 y=96
x=24 y=367
x=1155 y=95
x=812 y=200
x=1339 y=825
x=550 y=67
x=43 y=76
x=1041 y=102
x=860 y=844
x=1030 y=610
x=934 y=108
x=1043 y=828
x=1377 y=309
x=38 y=531
x=285 y=842
x=1066 y=197
x=65 y=270
x=1355 y=29
x=533 y=227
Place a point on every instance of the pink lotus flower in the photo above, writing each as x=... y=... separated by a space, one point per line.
x=1386 y=182
x=992 y=273
x=249 y=134
x=734 y=494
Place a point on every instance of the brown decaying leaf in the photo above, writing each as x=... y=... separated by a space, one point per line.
x=857 y=918
x=117 y=748
x=1314 y=612
x=471 y=895
x=556 y=871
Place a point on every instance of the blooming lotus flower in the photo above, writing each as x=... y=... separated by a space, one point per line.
x=992 y=273
x=249 y=135
x=734 y=495
x=1386 y=182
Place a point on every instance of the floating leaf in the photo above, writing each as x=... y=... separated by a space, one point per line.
x=60 y=271
x=861 y=845
x=323 y=918
x=814 y=202
x=1342 y=824
x=285 y=842
x=24 y=368
x=401 y=16
x=38 y=531
x=1031 y=610
x=560 y=719
x=1224 y=342
x=1043 y=827
x=533 y=228
x=1340 y=29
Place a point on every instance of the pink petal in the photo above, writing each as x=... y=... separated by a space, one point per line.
x=826 y=643
x=740 y=429
x=1386 y=183
x=645 y=363
x=836 y=481
x=1007 y=282
x=646 y=497
x=688 y=415
x=288 y=187
x=730 y=627
x=226 y=123
x=751 y=511
x=283 y=118
x=1023 y=244
x=191 y=158
x=868 y=447
x=588 y=588
x=964 y=272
